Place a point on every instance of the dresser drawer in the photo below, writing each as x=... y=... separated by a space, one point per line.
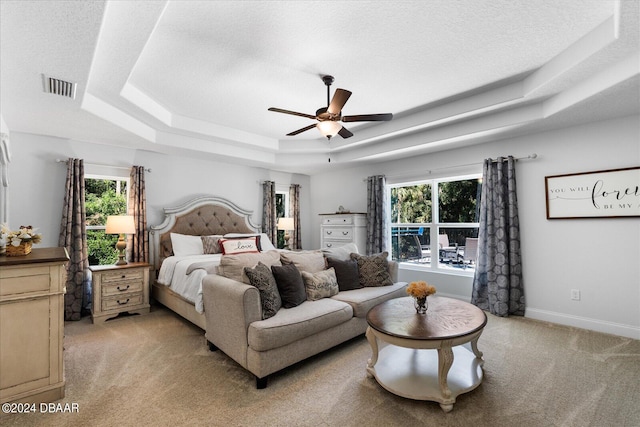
x=338 y=233
x=337 y=220
x=121 y=287
x=121 y=302
x=333 y=244
x=121 y=276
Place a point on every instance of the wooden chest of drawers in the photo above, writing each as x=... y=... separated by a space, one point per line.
x=340 y=229
x=118 y=289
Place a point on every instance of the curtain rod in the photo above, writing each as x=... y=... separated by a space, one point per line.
x=428 y=171
x=278 y=183
x=105 y=166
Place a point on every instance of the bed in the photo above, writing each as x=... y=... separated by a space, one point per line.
x=201 y=216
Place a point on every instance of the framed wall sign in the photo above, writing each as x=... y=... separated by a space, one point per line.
x=600 y=194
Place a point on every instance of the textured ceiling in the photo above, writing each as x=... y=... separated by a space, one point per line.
x=197 y=77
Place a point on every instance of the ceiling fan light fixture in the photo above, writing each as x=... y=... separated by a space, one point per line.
x=329 y=128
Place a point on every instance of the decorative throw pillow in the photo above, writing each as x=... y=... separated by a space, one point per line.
x=261 y=278
x=239 y=246
x=346 y=273
x=184 y=244
x=210 y=244
x=321 y=284
x=309 y=261
x=264 y=243
x=290 y=285
x=341 y=252
x=373 y=270
x=232 y=266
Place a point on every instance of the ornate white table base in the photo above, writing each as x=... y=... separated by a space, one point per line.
x=435 y=370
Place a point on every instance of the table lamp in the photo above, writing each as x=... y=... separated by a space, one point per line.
x=120 y=224
x=286 y=224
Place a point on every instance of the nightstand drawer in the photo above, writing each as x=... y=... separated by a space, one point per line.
x=121 y=302
x=121 y=287
x=338 y=233
x=122 y=275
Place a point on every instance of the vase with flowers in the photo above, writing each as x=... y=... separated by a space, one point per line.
x=19 y=242
x=420 y=291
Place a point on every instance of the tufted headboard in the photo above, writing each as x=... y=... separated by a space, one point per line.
x=202 y=216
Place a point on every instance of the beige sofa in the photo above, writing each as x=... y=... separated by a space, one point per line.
x=234 y=323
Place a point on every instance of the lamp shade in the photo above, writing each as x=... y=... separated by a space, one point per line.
x=118 y=224
x=329 y=128
x=285 y=224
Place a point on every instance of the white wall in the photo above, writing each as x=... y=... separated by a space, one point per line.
x=600 y=257
x=37 y=181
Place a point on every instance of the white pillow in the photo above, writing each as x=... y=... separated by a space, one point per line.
x=265 y=242
x=342 y=253
x=184 y=244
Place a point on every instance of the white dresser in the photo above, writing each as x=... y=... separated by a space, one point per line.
x=340 y=229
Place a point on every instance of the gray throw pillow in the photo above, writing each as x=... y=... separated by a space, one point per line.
x=290 y=285
x=346 y=273
x=261 y=277
x=373 y=270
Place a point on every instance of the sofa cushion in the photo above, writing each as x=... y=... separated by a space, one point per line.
x=262 y=278
x=293 y=324
x=232 y=266
x=373 y=270
x=364 y=299
x=309 y=261
x=321 y=284
x=341 y=252
x=290 y=285
x=346 y=273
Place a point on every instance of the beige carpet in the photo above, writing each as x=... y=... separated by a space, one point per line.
x=156 y=370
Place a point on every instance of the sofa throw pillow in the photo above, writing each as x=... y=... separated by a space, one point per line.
x=210 y=244
x=321 y=284
x=290 y=285
x=239 y=246
x=309 y=261
x=346 y=273
x=341 y=252
x=232 y=266
x=373 y=270
x=261 y=278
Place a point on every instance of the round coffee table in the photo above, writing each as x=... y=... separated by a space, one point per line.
x=405 y=364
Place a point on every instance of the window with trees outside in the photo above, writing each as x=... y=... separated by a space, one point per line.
x=282 y=210
x=434 y=223
x=103 y=196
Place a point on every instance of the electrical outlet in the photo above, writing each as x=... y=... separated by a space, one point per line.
x=575 y=294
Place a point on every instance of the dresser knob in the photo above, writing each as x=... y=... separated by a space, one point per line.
x=329 y=232
x=329 y=245
x=123 y=303
x=345 y=233
x=123 y=276
x=122 y=290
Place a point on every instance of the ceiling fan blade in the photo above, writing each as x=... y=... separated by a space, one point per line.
x=304 y=129
x=295 y=113
x=345 y=133
x=368 y=118
x=340 y=98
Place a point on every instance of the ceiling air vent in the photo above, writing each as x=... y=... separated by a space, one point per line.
x=59 y=87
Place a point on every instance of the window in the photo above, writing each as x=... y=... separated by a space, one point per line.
x=103 y=196
x=282 y=210
x=431 y=220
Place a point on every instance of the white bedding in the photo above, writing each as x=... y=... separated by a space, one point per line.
x=173 y=273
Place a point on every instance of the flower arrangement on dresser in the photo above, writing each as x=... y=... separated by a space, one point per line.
x=19 y=242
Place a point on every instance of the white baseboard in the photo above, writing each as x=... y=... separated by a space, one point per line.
x=628 y=331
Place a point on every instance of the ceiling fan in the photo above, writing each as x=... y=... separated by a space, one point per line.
x=329 y=116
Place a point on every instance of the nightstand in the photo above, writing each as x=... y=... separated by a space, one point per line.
x=119 y=289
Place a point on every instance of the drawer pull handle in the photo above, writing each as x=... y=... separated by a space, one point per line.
x=123 y=276
x=329 y=245
x=345 y=233
x=122 y=290
x=329 y=232
x=123 y=303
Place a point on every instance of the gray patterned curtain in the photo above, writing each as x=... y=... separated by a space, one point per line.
x=73 y=237
x=294 y=212
x=497 y=283
x=376 y=229
x=269 y=210
x=138 y=244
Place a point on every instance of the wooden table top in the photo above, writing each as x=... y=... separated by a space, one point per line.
x=446 y=318
x=37 y=255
